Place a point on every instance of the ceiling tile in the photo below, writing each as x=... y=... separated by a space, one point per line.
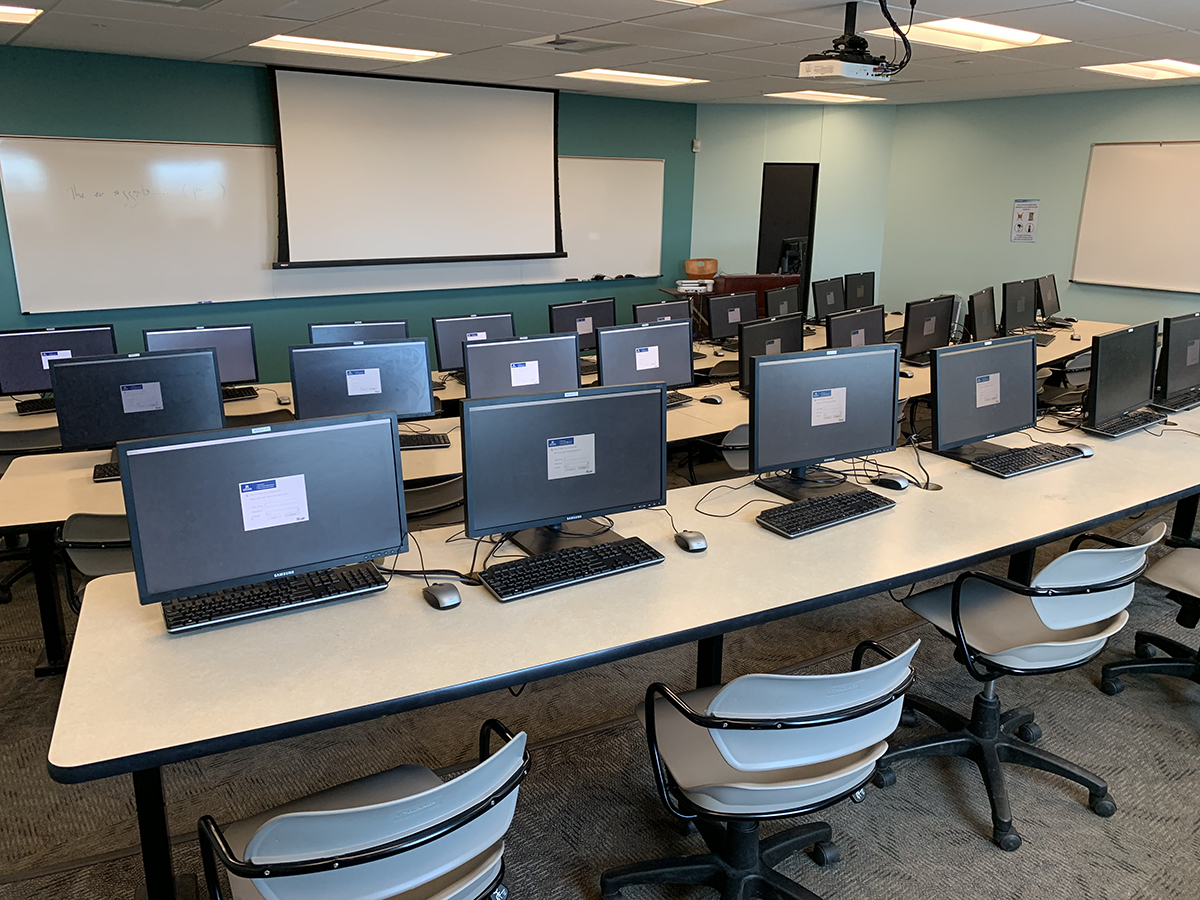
x=720 y=63
x=690 y=67
x=164 y=14
x=650 y=36
x=1067 y=56
x=482 y=13
x=1183 y=13
x=973 y=9
x=454 y=73
x=706 y=20
x=545 y=62
x=1165 y=45
x=263 y=56
x=1075 y=22
x=8 y=32
x=64 y=31
x=612 y=10
x=368 y=26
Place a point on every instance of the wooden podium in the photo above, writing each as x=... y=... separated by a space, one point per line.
x=739 y=284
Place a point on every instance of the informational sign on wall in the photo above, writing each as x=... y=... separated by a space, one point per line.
x=1025 y=221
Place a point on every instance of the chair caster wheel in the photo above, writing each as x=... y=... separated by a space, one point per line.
x=825 y=853
x=1008 y=841
x=1143 y=651
x=1030 y=733
x=500 y=892
x=908 y=718
x=1112 y=686
x=883 y=778
x=1103 y=806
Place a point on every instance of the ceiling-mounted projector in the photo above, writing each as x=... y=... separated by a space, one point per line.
x=850 y=59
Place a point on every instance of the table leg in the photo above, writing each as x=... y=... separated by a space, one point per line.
x=708 y=660
x=161 y=883
x=45 y=578
x=1020 y=566
x=1184 y=525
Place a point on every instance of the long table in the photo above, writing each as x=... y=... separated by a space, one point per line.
x=136 y=699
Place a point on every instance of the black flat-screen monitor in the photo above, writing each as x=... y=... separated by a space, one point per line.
x=105 y=399
x=1123 y=364
x=1047 y=297
x=983 y=390
x=234 y=345
x=727 y=311
x=1179 y=363
x=348 y=332
x=451 y=332
x=829 y=297
x=25 y=356
x=927 y=325
x=637 y=354
x=549 y=459
x=583 y=317
x=1020 y=306
x=860 y=290
x=662 y=311
x=227 y=508
x=784 y=301
x=342 y=379
x=526 y=365
x=855 y=328
x=767 y=337
x=981 y=315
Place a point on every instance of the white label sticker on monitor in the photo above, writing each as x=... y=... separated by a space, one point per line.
x=275 y=501
x=663 y=319
x=930 y=326
x=774 y=346
x=782 y=308
x=524 y=373
x=735 y=315
x=146 y=397
x=583 y=325
x=569 y=457
x=858 y=337
x=987 y=390
x=831 y=299
x=828 y=406
x=476 y=336
x=861 y=291
x=362 y=381
x=1193 y=353
x=1020 y=304
x=646 y=357
x=54 y=354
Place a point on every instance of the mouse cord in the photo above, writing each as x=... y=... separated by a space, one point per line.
x=674 y=527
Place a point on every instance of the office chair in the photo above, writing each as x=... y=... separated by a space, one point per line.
x=94 y=545
x=1061 y=621
x=1179 y=573
x=764 y=747
x=403 y=834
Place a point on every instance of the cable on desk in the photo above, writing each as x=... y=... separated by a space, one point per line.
x=415 y=427
x=914 y=441
x=731 y=489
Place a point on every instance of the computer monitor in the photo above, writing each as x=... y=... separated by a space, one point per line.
x=25 y=356
x=234 y=344
x=525 y=365
x=1047 y=297
x=727 y=311
x=981 y=315
x=1179 y=362
x=791 y=255
x=927 y=325
x=583 y=317
x=829 y=296
x=784 y=301
x=982 y=390
x=341 y=379
x=1123 y=364
x=1020 y=306
x=662 y=311
x=767 y=337
x=637 y=354
x=820 y=406
x=451 y=332
x=860 y=290
x=559 y=459
x=855 y=328
x=348 y=332
x=227 y=508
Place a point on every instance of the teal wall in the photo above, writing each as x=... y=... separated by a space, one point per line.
x=66 y=94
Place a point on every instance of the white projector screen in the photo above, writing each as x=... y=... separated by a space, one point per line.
x=387 y=170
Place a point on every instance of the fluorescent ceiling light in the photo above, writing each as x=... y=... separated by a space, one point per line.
x=824 y=97
x=643 y=78
x=1151 y=70
x=18 y=15
x=964 y=34
x=342 y=48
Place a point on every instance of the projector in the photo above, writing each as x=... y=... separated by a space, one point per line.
x=840 y=71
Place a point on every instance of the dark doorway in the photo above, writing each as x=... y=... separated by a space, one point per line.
x=788 y=210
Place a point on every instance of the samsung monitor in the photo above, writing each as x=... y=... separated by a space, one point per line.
x=348 y=332
x=855 y=328
x=927 y=326
x=860 y=290
x=1123 y=364
x=829 y=297
x=1179 y=363
x=662 y=311
x=451 y=332
x=784 y=301
x=767 y=337
x=234 y=345
x=820 y=406
x=341 y=379
x=981 y=315
x=544 y=464
x=727 y=311
x=1019 y=300
x=525 y=365
x=25 y=356
x=1047 y=297
x=583 y=317
x=222 y=509
x=637 y=354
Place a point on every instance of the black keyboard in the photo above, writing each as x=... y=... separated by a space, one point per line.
x=814 y=513
x=1127 y=423
x=589 y=368
x=1019 y=460
x=675 y=398
x=562 y=568
x=33 y=407
x=109 y=471
x=271 y=596
x=1044 y=338
x=1179 y=402
x=416 y=441
x=238 y=393
x=696 y=354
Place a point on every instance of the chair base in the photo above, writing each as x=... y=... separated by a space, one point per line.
x=988 y=739
x=740 y=866
x=1183 y=662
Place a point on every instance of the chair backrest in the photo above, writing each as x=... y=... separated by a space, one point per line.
x=82 y=529
x=1081 y=568
x=317 y=834
x=794 y=696
x=735 y=447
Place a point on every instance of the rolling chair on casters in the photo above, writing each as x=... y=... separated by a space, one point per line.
x=1061 y=621
x=764 y=747
x=402 y=834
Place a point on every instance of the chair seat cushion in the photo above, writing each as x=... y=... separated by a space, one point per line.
x=1005 y=628
x=1179 y=571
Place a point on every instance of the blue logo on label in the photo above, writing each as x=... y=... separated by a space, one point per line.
x=131 y=387
x=258 y=486
x=560 y=442
x=519 y=365
x=356 y=371
x=817 y=394
x=982 y=379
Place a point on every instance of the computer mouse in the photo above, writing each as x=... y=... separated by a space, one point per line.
x=691 y=541
x=1085 y=449
x=1070 y=319
x=891 y=482
x=441 y=596
x=711 y=398
x=904 y=373
x=718 y=353
x=283 y=400
x=1077 y=337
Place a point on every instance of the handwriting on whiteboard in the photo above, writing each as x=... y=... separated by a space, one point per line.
x=130 y=197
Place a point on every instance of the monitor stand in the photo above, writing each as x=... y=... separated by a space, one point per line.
x=801 y=484
x=577 y=533
x=968 y=453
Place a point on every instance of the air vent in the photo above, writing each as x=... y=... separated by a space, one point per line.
x=564 y=43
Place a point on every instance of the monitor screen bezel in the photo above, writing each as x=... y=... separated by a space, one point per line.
x=52 y=330
x=1040 y=294
x=610 y=302
x=673 y=323
x=652 y=304
x=200 y=328
x=708 y=302
x=1005 y=326
x=1099 y=342
x=907 y=339
x=841 y=286
x=341 y=344
x=563 y=336
x=801 y=305
x=853 y=313
x=973 y=314
x=744 y=360
x=1162 y=388
x=437 y=344
x=313 y=341
x=934 y=385
x=866 y=276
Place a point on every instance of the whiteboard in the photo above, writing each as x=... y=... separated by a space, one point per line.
x=120 y=224
x=1140 y=224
